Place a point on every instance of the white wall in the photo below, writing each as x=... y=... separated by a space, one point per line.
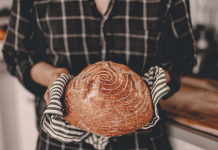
x=17 y=114
x=1 y=130
x=204 y=12
x=5 y=4
x=8 y=112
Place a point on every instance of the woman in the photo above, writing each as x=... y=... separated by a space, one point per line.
x=47 y=38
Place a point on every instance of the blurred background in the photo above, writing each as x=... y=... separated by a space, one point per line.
x=205 y=23
x=17 y=111
x=17 y=115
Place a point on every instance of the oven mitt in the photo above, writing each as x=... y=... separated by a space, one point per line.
x=58 y=128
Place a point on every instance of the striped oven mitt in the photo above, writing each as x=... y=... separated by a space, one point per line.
x=58 y=128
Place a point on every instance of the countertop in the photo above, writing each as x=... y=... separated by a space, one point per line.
x=194 y=110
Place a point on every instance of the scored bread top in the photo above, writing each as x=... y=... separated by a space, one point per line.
x=108 y=99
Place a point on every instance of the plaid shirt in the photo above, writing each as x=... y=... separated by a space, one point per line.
x=76 y=35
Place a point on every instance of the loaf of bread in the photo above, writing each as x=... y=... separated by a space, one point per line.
x=108 y=99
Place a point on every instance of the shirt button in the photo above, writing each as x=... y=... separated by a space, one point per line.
x=115 y=140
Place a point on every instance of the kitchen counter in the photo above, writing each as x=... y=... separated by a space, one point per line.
x=192 y=112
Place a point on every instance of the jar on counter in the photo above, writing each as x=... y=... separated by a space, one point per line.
x=206 y=52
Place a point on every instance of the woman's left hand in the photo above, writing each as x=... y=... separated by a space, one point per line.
x=56 y=74
x=45 y=74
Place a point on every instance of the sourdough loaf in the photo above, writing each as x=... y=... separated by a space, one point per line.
x=108 y=99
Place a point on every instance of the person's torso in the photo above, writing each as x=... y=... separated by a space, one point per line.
x=78 y=35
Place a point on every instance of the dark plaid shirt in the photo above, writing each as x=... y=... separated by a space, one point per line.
x=73 y=34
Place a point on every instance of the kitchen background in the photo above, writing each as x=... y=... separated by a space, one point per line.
x=17 y=116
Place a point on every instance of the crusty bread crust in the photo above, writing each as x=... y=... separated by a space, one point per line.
x=108 y=99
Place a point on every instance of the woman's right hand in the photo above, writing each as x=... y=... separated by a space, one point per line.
x=45 y=74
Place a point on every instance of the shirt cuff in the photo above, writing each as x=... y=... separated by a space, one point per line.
x=174 y=86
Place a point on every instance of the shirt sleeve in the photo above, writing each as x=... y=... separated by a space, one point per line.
x=18 y=59
x=179 y=58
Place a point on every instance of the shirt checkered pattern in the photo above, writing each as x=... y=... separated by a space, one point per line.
x=77 y=35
